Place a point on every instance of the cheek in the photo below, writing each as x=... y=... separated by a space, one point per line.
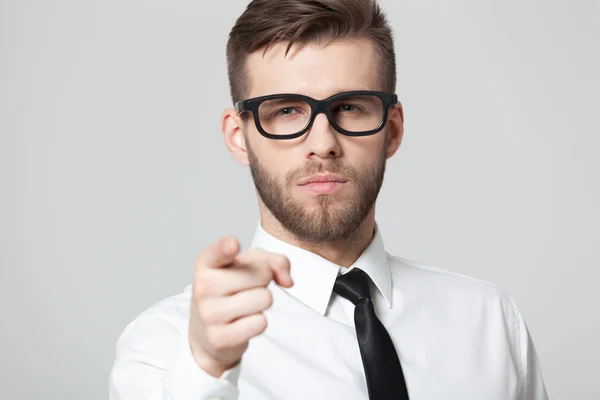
x=278 y=167
x=364 y=156
x=279 y=160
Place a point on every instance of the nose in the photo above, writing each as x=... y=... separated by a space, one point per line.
x=322 y=139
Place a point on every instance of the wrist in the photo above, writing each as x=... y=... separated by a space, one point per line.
x=211 y=366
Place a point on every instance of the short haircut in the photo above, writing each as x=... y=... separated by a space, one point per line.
x=265 y=23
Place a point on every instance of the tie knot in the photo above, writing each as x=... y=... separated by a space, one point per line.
x=353 y=285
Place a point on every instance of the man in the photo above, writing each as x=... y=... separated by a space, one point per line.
x=316 y=308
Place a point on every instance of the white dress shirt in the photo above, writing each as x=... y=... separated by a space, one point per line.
x=457 y=338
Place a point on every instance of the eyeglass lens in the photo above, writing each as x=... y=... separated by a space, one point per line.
x=355 y=113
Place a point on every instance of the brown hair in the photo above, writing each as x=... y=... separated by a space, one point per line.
x=267 y=22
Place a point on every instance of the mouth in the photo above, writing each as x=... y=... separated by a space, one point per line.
x=324 y=178
x=323 y=184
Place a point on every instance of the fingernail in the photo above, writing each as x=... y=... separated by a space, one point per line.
x=228 y=246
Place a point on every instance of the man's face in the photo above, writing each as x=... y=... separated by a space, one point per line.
x=317 y=212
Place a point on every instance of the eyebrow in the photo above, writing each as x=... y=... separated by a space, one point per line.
x=285 y=100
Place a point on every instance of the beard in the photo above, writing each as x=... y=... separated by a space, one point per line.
x=334 y=218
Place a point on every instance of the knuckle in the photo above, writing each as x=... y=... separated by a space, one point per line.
x=280 y=262
x=216 y=339
x=283 y=260
x=208 y=314
x=202 y=286
x=261 y=323
x=265 y=298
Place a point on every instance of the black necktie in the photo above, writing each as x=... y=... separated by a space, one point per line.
x=383 y=371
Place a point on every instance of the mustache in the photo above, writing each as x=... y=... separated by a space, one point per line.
x=334 y=166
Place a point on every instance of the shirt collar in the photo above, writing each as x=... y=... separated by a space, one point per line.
x=314 y=276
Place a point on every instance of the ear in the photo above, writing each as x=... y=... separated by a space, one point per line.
x=396 y=126
x=231 y=127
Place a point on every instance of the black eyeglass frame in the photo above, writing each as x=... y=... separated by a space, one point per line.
x=317 y=107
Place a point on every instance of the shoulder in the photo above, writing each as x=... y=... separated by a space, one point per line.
x=155 y=327
x=434 y=275
x=441 y=287
x=467 y=310
x=150 y=345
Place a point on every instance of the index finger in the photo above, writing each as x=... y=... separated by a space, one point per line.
x=220 y=253
x=278 y=264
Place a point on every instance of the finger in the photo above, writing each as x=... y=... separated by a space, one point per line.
x=228 y=281
x=220 y=253
x=278 y=263
x=237 y=332
x=248 y=270
x=281 y=271
x=223 y=310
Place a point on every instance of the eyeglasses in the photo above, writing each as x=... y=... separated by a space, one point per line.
x=288 y=116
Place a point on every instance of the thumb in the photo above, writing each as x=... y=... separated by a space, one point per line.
x=281 y=271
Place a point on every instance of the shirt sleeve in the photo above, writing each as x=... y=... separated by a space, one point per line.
x=532 y=381
x=154 y=362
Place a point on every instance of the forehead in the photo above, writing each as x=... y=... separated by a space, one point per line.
x=314 y=69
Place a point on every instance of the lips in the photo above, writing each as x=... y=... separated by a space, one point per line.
x=322 y=178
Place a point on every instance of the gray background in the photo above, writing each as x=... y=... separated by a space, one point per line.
x=114 y=174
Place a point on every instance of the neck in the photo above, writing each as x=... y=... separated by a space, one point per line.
x=343 y=252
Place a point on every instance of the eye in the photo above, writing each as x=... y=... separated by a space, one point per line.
x=347 y=108
x=286 y=111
